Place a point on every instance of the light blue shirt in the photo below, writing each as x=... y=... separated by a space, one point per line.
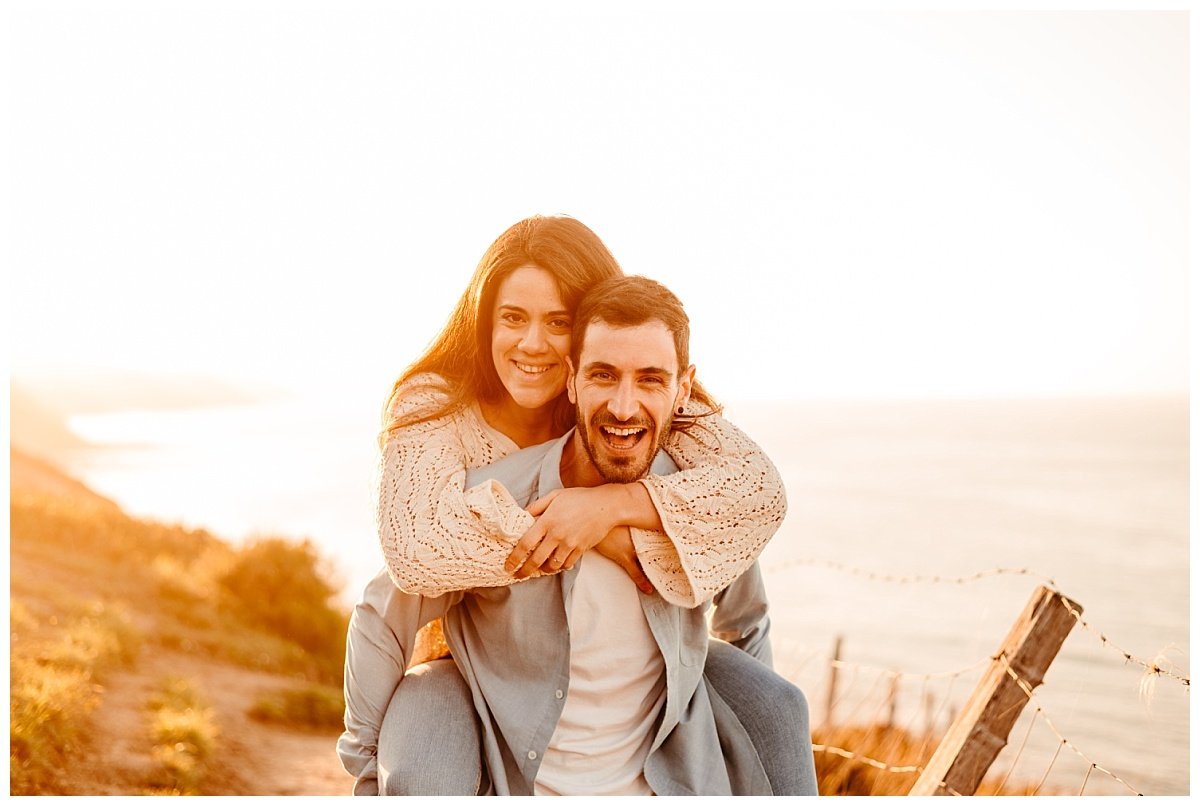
x=512 y=646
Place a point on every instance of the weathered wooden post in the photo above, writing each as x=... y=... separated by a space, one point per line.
x=892 y=695
x=981 y=729
x=831 y=694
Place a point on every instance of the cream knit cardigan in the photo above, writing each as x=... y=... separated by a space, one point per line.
x=718 y=512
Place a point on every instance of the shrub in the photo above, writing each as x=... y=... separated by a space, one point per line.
x=184 y=735
x=47 y=710
x=99 y=531
x=96 y=642
x=309 y=707
x=278 y=585
x=52 y=688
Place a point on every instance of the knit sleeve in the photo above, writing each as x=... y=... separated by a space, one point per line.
x=718 y=512
x=435 y=535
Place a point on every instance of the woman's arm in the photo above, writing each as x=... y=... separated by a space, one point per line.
x=695 y=531
x=717 y=513
x=434 y=536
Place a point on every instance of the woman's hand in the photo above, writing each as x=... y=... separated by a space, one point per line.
x=569 y=522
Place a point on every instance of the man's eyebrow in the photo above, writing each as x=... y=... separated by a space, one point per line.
x=604 y=365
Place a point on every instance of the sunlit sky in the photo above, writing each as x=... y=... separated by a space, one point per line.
x=856 y=203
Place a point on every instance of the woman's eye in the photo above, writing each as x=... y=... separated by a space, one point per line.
x=561 y=324
x=511 y=318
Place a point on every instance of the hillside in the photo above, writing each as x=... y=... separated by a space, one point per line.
x=139 y=650
x=36 y=428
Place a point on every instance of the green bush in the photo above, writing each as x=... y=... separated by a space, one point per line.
x=278 y=585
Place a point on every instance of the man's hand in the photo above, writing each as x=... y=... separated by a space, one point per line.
x=617 y=546
x=569 y=522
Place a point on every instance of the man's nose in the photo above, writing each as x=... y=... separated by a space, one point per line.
x=623 y=404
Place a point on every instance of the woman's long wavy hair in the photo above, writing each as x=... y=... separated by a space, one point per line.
x=462 y=353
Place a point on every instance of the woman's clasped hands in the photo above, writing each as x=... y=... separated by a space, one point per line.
x=572 y=521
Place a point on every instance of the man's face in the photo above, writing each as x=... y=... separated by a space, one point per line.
x=625 y=391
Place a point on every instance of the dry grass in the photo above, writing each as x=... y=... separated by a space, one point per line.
x=838 y=775
x=184 y=736
x=90 y=585
x=55 y=665
x=267 y=605
x=879 y=746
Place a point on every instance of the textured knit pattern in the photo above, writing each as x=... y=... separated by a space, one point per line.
x=437 y=537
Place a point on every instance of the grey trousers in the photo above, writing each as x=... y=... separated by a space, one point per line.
x=429 y=742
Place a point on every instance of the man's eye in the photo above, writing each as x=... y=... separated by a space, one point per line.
x=603 y=377
x=653 y=380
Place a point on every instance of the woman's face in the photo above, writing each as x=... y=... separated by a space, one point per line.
x=531 y=337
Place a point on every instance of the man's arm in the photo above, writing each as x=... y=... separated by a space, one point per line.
x=741 y=618
x=379 y=645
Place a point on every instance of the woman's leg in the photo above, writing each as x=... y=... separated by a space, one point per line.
x=773 y=712
x=429 y=740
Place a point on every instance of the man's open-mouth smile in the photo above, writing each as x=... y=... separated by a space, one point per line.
x=623 y=438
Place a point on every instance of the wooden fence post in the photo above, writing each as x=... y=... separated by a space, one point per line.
x=981 y=729
x=831 y=694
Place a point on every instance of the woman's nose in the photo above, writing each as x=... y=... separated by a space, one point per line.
x=533 y=340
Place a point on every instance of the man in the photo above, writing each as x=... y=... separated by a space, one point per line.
x=581 y=683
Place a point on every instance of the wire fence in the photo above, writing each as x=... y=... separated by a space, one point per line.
x=863 y=725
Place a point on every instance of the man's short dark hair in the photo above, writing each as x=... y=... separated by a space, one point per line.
x=628 y=302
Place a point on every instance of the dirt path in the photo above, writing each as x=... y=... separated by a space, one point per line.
x=252 y=758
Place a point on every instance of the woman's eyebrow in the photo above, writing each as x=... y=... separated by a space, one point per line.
x=512 y=306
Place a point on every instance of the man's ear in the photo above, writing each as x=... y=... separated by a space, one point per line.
x=571 y=383
x=686 y=379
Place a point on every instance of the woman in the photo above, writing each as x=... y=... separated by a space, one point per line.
x=493 y=382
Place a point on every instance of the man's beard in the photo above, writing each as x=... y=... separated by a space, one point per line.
x=620 y=469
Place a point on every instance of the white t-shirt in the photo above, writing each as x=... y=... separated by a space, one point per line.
x=617 y=689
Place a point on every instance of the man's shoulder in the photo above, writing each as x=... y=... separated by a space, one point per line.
x=519 y=472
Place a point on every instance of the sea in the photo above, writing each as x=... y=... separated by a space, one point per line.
x=917 y=532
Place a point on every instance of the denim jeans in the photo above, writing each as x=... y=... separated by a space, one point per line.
x=429 y=741
x=773 y=712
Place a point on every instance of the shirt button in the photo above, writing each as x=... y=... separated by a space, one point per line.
x=558 y=695
x=532 y=754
